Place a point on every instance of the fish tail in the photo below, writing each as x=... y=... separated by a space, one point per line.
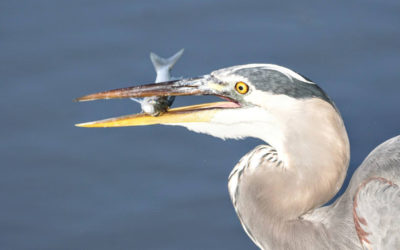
x=160 y=63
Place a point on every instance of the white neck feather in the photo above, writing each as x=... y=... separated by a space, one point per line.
x=311 y=142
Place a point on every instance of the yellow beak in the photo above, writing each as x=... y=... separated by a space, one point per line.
x=194 y=113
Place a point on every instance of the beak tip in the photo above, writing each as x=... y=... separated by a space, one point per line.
x=83 y=125
x=83 y=99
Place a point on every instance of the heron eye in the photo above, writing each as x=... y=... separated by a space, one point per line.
x=242 y=87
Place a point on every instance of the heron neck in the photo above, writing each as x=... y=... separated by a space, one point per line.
x=314 y=149
x=315 y=152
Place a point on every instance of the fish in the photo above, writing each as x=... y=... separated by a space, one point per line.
x=157 y=105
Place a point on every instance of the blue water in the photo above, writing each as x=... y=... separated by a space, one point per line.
x=63 y=187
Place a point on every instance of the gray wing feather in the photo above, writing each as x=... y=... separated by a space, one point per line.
x=377 y=214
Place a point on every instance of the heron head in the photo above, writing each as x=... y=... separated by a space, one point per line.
x=258 y=97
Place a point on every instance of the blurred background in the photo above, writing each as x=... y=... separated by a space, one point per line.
x=158 y=187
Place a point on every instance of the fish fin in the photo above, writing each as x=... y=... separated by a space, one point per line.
x=136 y=100
x=159 y=62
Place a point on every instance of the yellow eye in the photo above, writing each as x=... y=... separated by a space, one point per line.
x=242 y=87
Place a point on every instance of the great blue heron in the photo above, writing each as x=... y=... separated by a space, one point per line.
x=278 y=189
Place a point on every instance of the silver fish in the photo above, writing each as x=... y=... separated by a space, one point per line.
x=156 y=105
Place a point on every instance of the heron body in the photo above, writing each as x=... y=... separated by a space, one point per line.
x=278 y=189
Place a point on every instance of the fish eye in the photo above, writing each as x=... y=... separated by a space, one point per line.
x=242 y=88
